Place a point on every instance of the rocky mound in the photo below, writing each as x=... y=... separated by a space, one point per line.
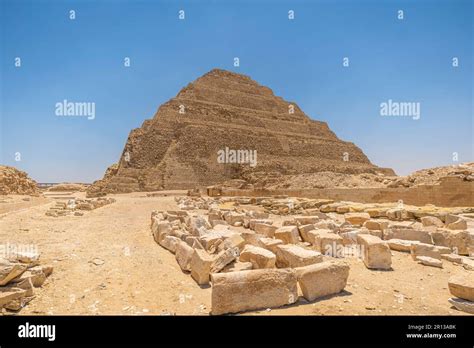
x=14 y=181
x=433 y=176
x=364 y=180
x=224 y=111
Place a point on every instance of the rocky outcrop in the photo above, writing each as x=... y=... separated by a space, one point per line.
x=222 y=110
x=14 y=181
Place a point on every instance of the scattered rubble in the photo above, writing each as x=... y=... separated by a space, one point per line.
x=76 y=207
x=231 y=241
x=20 y=273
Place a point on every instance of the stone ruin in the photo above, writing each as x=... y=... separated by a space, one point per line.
x=178 y=148
x=20 y=273
x=77 y=206
x=257 y=258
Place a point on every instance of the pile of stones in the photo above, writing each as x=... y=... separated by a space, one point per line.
x=249 y=267
x=77 y=206
x=255 y=259
x=20 y=274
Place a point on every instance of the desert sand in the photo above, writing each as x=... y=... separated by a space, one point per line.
x=106 y=262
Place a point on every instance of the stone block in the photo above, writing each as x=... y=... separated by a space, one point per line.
x=201 y=263
x=184 y=254
x=356 y=219
x=242 y=291
x=462 y=285
x=376 y=253
x=288 y=234
x=290 y=255
x=259 y=257
x=322 y=279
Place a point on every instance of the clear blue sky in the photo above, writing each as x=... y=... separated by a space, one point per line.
x=301 y=60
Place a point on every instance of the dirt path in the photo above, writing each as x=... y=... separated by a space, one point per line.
x=136 y=277
x=106 y=262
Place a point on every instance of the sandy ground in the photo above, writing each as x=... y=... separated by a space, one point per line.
x=106 y=262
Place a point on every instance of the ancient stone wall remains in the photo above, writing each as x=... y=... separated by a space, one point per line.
x=450 y=192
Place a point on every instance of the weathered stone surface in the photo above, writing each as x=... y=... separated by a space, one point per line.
x=270 y=244
x=9 y=294
x=190 y=240
x=176 y=233
x=196 y=223
x=376 y=253
x=201 y=263
x=224 y=258
x=306 y=220
x=313 y=235
x=326 y=225
x=449 y=218
x=238 y=266
x=462 y=305
x=459 y=224
x=303 y=230
x=210 y=241
x=288 y=234
x=408 y=234
x=232 y=218
x=398 y=214
x=376 y=233
x=234 y=240
x=252 y=238
x=401 y=244
x=235 y=292
x=458 y=241
x=290 y=255
x=322 y=279
x=429 y=261
x=376 y=225
x=160 y=229
x=259 y=257
x=253 y=222
x=184 y=254
x=35 y=275
x=170 y=243
x=468 y=263
x=423 y=249
x=46 y=269
x=462 y=285
x=266 y=229
x=350 y=237
x=329 y=244
x=431 y=221
x=217 y=222
x=18 y=303
x=10 y=270
x=356 y=219
x=454 y=258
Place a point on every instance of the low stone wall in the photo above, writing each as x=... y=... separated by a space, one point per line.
x=450 y=192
